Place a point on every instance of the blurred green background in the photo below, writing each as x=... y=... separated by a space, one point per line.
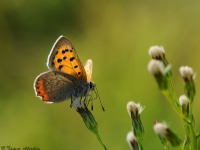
x=116 y=35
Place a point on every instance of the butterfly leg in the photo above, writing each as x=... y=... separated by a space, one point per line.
x=72 y=99
x=80 y=99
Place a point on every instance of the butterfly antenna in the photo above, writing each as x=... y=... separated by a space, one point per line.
x=97 y=93
x=90 y=100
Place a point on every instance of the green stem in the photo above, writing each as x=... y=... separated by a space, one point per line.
x=171 y=101
x=174 y=99
x=99 y=139
x=190 y=110
x=193 y=138
x=187 y=122
x=180 y=148
x=166 y=147
x=140 y=145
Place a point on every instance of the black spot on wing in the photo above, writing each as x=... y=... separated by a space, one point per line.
x=60 y=67
x=72 y=58
x=76 y=66
x=59 y=60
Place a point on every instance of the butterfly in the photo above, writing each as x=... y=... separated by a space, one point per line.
x=67 y=78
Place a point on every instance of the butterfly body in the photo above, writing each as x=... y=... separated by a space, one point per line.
x=67 y=78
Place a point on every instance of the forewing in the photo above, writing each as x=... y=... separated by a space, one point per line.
x=63 y=57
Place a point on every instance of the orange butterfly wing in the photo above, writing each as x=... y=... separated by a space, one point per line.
x=63 y=57
x=67 y=78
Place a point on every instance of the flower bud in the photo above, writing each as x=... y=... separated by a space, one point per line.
x=88 y=118
x=157 y=52
x=132 y=141
x=188 y=76
x=134 y=111
x=184 y=103
x=187 y=73
x=164 y=133
x=157 y=68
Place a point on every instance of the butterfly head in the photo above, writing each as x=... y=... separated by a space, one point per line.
x=91 y=85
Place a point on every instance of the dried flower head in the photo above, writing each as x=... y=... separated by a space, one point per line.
x=157 y=52
x=164 y=133
x=183 y=100
x=132 y=141
x=156 y=67
x=134 y=109
x=187 y=73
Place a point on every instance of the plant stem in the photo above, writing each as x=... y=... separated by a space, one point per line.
x=188 y=124
x=140 y=145
x=98 y=137
x=166 y=147
x=171 y=101
x=193 y=138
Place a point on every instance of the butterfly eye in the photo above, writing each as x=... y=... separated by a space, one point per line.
x=92 y=85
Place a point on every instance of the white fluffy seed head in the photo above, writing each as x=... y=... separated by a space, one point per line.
x=156 y=67
x=131 y=139
x=157 y=52
x=130 y=136
x=183 y=100
x=187 y=72
x=160 y=129
x=133 y=108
